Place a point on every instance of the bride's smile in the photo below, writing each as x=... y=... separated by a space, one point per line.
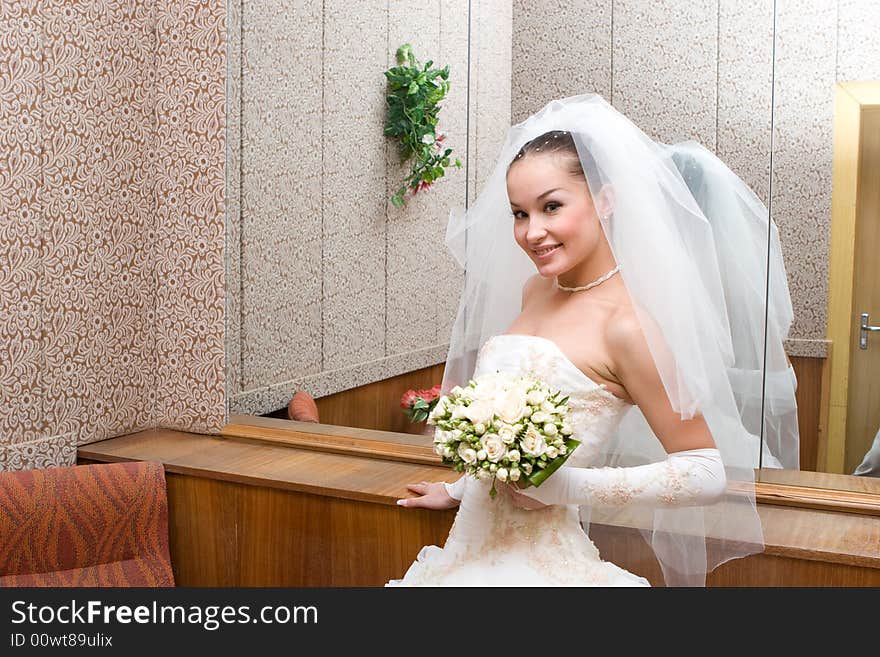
x=546 y=251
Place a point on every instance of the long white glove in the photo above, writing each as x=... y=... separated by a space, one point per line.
x=456 y=490
x=690 y=478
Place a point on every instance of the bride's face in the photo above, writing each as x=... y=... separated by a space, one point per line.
x=554 y=220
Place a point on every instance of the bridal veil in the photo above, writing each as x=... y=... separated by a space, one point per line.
x=687 y=235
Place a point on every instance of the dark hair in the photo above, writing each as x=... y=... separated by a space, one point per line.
x=562 y=143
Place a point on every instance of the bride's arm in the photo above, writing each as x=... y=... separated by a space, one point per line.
x=692 y=473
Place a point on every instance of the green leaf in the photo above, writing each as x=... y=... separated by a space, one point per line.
x=413 y=105
x=539 y=476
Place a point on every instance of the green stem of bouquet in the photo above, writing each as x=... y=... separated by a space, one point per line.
x=539 y=476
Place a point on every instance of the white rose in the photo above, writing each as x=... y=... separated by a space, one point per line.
x=495 y=448
x=526 y=467
x=552 y=452
x=459 y=412
x=479 y=412
x=522 y=387
x=456 y=391
x=550 y=429
x=501 y=473
x=514 y=474
x=457 y=434
x=481 y=455
x=448 y=452
x=539 y=417
x=440 y=449
x=536 y=397
x=566 y=429
x=483 y=473
x=439 y=410
x=507 y=436
x=467 y=454
x=563 y=449
x=533 y=443
x=441 y=436
x=511 y=407
x=489 y=386
x=548 y=406
x=513 y=455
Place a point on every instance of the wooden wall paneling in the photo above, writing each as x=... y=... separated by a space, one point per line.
x=377 y=405
x=230 y=534
x=808 y=395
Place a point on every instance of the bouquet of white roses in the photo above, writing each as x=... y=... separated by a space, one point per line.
x=504 y=427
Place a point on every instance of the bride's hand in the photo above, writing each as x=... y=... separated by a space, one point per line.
x=519 y=500
x=432 y=495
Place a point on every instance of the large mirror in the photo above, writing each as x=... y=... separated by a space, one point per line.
x=337 y=292
x=825 y=201
x=334 y=289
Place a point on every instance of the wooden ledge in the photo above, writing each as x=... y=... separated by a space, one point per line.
x=269 y=464
x=366 y=443
x=784 y=488
x=818 y=498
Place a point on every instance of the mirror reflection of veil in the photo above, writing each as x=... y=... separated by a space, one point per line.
x=740 y=225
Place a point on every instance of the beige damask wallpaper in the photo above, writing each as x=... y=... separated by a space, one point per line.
x=112 y=129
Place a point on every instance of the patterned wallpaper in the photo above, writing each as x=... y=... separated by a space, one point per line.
x=330 y=285
x=111 y=222
x=704 y=70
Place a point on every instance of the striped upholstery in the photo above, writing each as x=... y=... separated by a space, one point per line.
x=85 y=525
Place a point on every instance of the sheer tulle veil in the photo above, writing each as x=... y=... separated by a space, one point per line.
x=704 y=323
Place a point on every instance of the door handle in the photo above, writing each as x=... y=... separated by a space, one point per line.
x=863 y=333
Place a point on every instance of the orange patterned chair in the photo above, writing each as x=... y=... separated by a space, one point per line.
x=85 y=525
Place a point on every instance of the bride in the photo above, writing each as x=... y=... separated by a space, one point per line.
x=610 y=290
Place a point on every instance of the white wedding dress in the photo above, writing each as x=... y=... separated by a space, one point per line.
x=493 y=543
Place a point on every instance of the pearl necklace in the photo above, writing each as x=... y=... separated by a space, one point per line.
x=601 y=279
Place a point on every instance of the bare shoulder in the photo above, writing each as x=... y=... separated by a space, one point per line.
x=624 y=332
x=628 y=345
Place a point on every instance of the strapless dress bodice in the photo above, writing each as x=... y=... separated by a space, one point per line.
x=594 y=410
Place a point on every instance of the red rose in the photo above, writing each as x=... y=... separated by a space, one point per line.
x=408 y=399
x=430 y=394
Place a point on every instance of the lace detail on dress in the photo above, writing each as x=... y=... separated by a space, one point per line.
x=616 y=489
x=549 y=542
